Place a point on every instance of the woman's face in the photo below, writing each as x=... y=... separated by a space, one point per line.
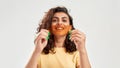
x=60 y=24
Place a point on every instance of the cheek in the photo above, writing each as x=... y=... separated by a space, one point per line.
x=66 y=29
x=53 y=27
x=53 y=24
x=60 y=32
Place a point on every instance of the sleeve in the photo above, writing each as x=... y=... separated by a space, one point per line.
x=78 y=60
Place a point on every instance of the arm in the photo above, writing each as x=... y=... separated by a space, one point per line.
x=84 y=61
x=33 y=60
x=40 y=43
x=79 y=39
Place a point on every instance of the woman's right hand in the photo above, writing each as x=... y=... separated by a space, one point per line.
x=41 y=40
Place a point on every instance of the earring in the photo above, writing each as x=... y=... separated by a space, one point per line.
x=69 y=34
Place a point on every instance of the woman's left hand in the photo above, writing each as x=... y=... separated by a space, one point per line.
x=78 y=38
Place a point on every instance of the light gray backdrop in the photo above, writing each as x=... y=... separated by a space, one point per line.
x=98 y=19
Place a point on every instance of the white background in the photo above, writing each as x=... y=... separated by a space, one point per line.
x=98 y=19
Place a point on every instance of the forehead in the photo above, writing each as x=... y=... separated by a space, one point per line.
x=60 y=15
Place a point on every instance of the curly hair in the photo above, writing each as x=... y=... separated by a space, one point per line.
x=46 y=24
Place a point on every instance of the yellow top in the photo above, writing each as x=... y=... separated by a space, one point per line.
x=60 y=59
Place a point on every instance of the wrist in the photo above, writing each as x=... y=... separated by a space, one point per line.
x=36 y=52
x=82 y=51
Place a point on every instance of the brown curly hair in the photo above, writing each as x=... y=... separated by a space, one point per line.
x=46 y=24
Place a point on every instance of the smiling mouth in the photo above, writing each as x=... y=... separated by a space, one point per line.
x=59 y=28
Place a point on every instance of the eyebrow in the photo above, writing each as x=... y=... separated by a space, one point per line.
x=62 y=17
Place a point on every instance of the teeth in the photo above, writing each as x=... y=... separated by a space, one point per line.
x=59 y=28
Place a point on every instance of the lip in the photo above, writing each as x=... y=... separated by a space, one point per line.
x=59 y=28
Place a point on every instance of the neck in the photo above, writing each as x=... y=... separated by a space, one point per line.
x=59 y=41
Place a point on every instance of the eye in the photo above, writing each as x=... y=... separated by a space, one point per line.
x=54 y=20
x=64 y=20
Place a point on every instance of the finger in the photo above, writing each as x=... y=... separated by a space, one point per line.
x=75 y=35
x=72 y=37
x=77 y=32
x=41 y=39
x=78 y=35
x=75 y=38
x=38 y=36
x=44 y=30
x=42 y=33
x=81 y=37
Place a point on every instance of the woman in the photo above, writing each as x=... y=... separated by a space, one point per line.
x=59 y=44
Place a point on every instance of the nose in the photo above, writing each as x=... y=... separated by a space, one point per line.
x=59 y=22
